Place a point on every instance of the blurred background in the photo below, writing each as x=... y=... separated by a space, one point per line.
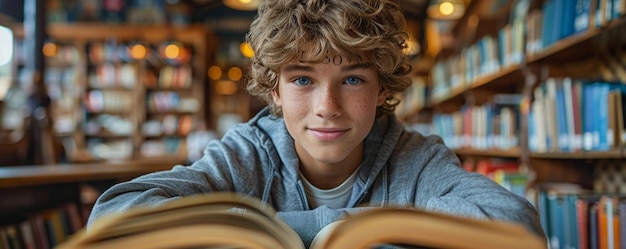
x=94 y=80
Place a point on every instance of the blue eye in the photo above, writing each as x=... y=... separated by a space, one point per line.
x=352 y=81
x=303 y=81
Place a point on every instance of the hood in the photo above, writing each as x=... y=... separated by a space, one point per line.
x=386 y=128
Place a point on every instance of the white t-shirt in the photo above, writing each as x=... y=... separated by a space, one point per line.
x=336 y=197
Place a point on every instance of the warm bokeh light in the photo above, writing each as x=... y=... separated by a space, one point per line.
x=412 y=47
x=226 y=87
x=245 y=5
x=172 y=51
x=138 y=51
x=215 y=72
x=446 y=8
x=246 y=50
x=50 y=49
x=235 y=73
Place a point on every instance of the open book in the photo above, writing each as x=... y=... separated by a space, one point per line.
x=226 y=220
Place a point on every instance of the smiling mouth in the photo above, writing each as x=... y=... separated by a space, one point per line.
x=327 y=134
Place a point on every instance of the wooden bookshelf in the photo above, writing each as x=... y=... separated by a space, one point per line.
x=115 y=106
x=580 y=155
x=54 y=201
x=562 y=59
x=510 y=153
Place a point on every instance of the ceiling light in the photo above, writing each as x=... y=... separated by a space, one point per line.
x=446 y=9
x=245 y=5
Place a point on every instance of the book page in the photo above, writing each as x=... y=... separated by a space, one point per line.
x=420 y=228
x=244 y=221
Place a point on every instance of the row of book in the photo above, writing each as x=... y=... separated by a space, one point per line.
x=506 y=172
x=488 y=55
x=114 y=51
x=166 y=146
x=65 y=96
x=169 y=77
x=168 y=125
x=103 y=124
x=108 y=75
x=492 y=125
x=111 y=148
x=572 y=218
x=414 y=98
x=170 y=101
x=559 y=19
x=572 y=115
x=111 y=75
x=61 y=82
x=56 y=53
x=112 y=125
x=528 y=32
x=118 y=101
x=43 y=230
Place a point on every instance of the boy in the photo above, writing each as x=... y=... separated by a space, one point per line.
x=328 y=142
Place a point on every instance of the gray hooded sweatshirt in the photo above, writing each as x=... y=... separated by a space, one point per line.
x=258 y=158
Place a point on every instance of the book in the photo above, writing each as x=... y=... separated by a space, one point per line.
x=582 y=218
x=228 y=220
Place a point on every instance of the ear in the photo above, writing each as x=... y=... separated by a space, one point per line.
x=382 y=96
x=276 y=97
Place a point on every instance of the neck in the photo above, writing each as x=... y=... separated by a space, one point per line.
x=328 y=175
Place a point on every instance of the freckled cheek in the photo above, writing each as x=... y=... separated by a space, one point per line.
x=364 y=105
x=295 y=103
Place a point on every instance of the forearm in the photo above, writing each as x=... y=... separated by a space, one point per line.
x=496 y=206
x=116 y=200
x=151 y=189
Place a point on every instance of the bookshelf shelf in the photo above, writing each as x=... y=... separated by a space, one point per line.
x=509 y=153
x=506 y=77
x=580 y=155
x=38 y=175
x=505 y=80
x=454 y=95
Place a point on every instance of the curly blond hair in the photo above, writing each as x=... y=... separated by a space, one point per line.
x=310 y=30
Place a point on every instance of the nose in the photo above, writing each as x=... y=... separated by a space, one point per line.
x=327 y=103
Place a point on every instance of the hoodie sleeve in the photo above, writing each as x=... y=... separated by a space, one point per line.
x=227 y=165
x=449 y=188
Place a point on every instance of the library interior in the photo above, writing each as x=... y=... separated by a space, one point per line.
x=530 y=93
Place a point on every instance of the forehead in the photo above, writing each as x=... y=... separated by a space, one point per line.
x=331 y=57
x=331 y=60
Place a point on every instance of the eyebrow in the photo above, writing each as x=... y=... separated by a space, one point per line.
x=307 y=68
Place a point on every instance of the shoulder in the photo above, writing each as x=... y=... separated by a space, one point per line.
x=413 y=147
x=263 y=132
x=415 y=140
x=263 y=126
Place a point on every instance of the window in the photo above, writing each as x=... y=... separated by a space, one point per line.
x=6 y=55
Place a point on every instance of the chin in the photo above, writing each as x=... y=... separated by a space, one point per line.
x=329 y=157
